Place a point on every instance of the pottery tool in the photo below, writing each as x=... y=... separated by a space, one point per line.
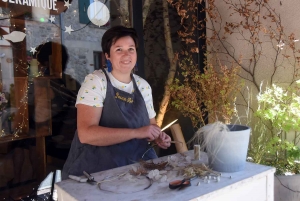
x=170 y=124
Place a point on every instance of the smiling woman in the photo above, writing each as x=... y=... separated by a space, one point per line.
x=115 y=114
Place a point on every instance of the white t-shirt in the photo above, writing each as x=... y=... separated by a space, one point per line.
x=93 y=90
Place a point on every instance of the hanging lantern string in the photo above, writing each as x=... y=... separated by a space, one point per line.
x=74 y=30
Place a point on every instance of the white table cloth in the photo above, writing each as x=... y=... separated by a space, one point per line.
x=255 y=182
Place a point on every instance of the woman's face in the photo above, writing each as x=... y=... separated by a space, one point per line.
x=123 y=55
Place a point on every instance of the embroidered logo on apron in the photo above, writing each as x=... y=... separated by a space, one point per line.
x=128 y=99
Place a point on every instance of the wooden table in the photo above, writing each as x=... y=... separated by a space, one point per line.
x=256 y=182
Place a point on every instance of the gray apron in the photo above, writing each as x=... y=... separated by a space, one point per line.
x=120 y=110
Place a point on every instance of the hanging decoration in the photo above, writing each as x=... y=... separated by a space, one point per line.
x=15 y=36
x=68 y=29
x=52 y=19
x=67 y=4
x=33 y=50
x=98 y=13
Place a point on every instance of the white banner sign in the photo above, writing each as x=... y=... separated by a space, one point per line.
x=45 y=4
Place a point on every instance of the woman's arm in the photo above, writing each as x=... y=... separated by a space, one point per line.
x=89 y=131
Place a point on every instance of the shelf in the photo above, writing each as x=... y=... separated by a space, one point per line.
x=11 y=137
x=22 y=136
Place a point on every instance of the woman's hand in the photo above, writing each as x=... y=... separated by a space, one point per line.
x=150 y=132
x=163 y=140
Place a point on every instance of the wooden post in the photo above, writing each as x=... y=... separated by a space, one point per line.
x=56 y=60
x=178 y=136
x=41 y=158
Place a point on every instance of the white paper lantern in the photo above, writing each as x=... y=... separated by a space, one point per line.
x=98 y=13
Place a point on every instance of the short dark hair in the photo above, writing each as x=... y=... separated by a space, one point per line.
x=114 y=33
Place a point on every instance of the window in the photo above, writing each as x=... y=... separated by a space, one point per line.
x=99 y=60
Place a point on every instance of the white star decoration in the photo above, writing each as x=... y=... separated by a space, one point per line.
x=69 y=29
x=52 y=19
x=32 y=50
x=67 y=4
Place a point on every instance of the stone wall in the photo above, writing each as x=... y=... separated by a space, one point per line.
x=81 y=43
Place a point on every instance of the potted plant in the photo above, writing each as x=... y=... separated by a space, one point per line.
x=277 y=146
x=279 y=110
x=213 y=92
x=208 y=97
